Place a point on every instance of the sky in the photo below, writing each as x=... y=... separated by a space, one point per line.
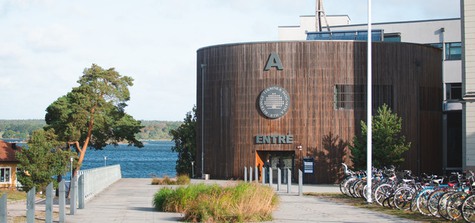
x=45 y=45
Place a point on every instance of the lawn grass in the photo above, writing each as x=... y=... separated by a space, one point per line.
x=13 y=195
x=361 y=203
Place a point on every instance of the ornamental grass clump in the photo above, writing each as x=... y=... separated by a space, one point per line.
x=180 y=180
x=245 y=202
x=176 y=200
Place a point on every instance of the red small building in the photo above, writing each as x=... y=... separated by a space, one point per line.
x=8 y=165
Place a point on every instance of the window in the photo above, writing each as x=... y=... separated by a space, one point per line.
x=436 y=45
x=453 y=51
x=349 y=96
x=392 y=37
x=5 y=174
x=453 y=91
x=376 y=35
x=354 y=96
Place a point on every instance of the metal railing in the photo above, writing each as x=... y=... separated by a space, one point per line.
x=98 y=179
x=91 y=182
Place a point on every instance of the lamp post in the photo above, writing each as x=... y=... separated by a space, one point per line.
x=369 y=109
x=105 y=160
x=299 y=147
x=72 y=160
x=192 y=169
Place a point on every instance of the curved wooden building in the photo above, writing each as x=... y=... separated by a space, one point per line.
x=286 y=101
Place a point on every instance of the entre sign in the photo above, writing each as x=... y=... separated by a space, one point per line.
x=274 y=139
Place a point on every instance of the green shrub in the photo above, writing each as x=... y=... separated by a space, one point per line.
x=160 y=197
x=183 y=179
x=212 y=203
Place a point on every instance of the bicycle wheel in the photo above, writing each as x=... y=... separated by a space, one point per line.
x=468 y=209
x=389 y=201
x=344 y=185
x=360 y=189
x=382 y=192
x=403 y=197
x=347 y=186
x=442 y=208
x=414 y=200
x=353 y=188
x=433 y=204
x=422 y=201
x=454 y=205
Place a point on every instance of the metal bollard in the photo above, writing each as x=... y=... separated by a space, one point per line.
x=62 y=201
x=72 y=195
x=245 y=174
x=289 y=180
x=278 y=179
x=49 y=204
x=3 y=208
x=300 y=183
x=263 y=175
x=30 y=206
x=256 y=173
x=250 y=174
x=81 y=195
x=270 y=176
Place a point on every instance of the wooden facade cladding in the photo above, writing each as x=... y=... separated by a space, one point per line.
x=231 y=77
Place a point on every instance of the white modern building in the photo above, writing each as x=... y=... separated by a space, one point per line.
x=468 y=80
x=445 y=34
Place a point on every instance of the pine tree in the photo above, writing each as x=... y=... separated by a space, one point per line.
x=93 y=114
x=388 y=142
x=185 y=143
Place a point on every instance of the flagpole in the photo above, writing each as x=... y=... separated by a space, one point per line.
x=369 y=109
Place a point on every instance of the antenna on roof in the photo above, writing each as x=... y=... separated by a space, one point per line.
x=318 y=16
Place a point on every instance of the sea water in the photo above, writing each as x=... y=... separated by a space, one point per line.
x=155 y=159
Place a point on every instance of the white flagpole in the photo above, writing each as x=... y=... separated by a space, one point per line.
x=369 y=110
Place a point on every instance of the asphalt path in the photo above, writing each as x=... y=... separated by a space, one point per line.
x=130 y=200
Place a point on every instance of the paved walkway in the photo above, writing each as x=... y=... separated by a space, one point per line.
x=130 y=200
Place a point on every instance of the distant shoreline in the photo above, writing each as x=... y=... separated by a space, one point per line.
x=17 y=129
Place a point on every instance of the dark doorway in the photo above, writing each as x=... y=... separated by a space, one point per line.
x=454 y=141
x=276 y=159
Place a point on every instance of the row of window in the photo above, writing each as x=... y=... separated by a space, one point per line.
x=377 y=35
x=453 y=51
x=354 y=96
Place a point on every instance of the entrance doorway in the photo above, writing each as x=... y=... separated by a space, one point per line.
x=276 y=159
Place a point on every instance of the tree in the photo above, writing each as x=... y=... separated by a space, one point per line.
x=42 y=159
x=92 y=114
x=388 y=142
x=185 y=143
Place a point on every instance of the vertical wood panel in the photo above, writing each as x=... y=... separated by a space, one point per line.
x=235 y=77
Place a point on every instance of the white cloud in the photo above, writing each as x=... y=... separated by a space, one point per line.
x=52 y=38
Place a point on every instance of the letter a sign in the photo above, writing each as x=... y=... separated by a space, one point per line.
x=274 y=61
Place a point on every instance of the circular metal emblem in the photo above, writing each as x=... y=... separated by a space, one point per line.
x=274 y=102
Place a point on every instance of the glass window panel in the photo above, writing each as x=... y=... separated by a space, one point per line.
x=453 y=51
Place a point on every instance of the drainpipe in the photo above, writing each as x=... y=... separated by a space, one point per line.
x=444 y=97
x=203 y=69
